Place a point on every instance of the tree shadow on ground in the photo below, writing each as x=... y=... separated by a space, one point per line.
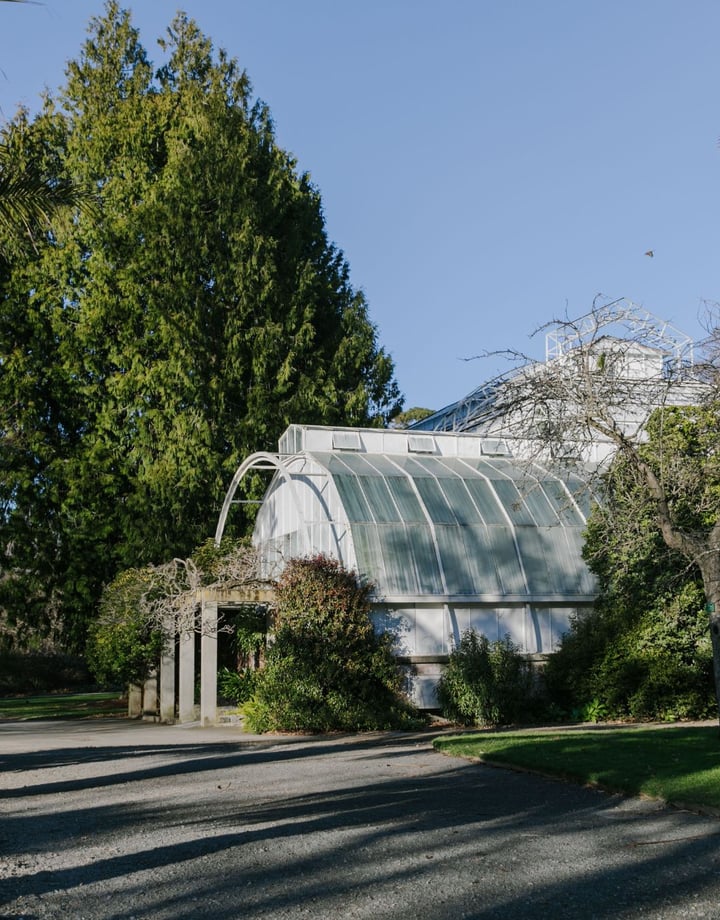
x=342 y=828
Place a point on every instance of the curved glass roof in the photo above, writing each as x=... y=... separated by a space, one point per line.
x=449 y=516
x=452 y=526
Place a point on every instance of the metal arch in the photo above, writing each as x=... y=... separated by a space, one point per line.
x=259 y=461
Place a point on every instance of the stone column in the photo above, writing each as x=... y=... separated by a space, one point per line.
x=134 y=701
x=186 y=693
x=150 y=697
x=208 y=662
x=167 y=677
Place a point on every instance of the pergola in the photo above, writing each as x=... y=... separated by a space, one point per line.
x=173 y=695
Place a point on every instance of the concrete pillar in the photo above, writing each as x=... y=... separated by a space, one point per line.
x=186 y=692
x=208 y=662
x=167 y=678
x=134 y=701
x=150 y=697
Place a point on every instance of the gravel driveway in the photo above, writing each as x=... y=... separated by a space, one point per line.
x=109 y=820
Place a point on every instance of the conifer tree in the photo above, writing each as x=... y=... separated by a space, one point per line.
x=148 y=345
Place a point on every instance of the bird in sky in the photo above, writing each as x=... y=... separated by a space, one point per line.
x=650 y=253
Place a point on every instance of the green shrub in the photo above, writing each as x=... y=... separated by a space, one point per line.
x=122 y=647
x=485 y=683
x=657 y=665
x=326 y=669
x=237 y=686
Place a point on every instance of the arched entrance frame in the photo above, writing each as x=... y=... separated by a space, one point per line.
x=209 y=602
x=262 y=460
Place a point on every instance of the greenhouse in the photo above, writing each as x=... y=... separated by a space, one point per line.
x=452 y=531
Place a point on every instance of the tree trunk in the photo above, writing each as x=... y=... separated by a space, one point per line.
x=709 y=565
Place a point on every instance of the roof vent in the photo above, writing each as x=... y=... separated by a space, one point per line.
x=495 y=447
x=421 y=444
x=346 y=440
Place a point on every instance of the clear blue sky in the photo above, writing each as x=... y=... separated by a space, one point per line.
x=485 y=165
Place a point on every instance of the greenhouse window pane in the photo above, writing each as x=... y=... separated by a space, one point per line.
x=406 y=500
x=457 y=566
x=379 y=499
x=481 y=562
x=399 y=559
x=356 y=508
x=459 y=500
x=564 y=504
x=539 y=505
x=486 y=501
x=369 y=555
x=534 y=562
x=435 y=501
x=422 y=444
x=416 y=466
x=346 y=440
x=421 y=547
x=585 y=582
x=467 y=560
x=382 y=466
x=502 y=548
x=513 y=502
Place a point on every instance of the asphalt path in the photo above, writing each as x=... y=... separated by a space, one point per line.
x=114 y=820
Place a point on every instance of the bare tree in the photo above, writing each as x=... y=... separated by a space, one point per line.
x=171 y=601
x=609 y=379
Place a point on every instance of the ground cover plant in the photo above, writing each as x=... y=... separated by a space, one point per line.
x=63 y=706
x=677 y=764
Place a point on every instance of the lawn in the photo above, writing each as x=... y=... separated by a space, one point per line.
x=676 y=764
x=63 y=706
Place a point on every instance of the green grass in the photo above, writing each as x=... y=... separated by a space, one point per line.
x=63 y=706
x=679 y=765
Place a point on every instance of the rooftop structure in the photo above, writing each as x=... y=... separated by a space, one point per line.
x=451 y=530
x=646 y=360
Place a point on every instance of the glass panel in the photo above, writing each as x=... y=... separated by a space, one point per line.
x=356 y=507
x=534 y=560
x=495 y=468
x=459 y=500
x=421 y=443
x=346 y=440
x=481 y=561
x=583 y=580
x=406 y=500
x=468 y=560
x=435 y=501
x=513 y=502
x=486 y=501
x=378 y=498
x=369 y=555
x=457 y=563
x=563 y=502
x=539 y=505
x=399 y=557
x=421 y=546
x=381 y=466
x=504 y=553
x=416 y=467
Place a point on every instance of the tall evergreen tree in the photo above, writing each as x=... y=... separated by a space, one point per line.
x=146 y=347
